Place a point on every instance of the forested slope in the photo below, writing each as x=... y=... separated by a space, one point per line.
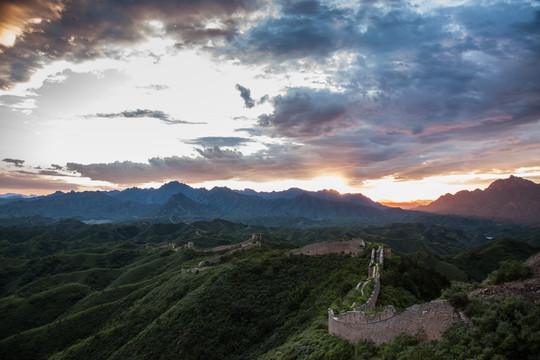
x=75 y=291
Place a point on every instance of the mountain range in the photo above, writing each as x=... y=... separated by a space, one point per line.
x=176 y=202
x=513 y=200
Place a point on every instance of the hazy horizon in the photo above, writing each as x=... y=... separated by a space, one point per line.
x=385 y=201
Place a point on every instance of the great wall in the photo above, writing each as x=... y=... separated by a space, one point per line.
x=427 y=320
x=203 y=265
x=352 y=247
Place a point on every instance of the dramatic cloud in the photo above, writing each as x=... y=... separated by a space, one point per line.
x=17 y=16
x=306 y=112
x=276 y=162
x=81 y=30
x=144 y=113
x=361 y=89
x=304 y=28
x=245 y=94
x=16 y=162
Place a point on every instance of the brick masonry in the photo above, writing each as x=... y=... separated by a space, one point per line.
x=429 y=319
x=353 y=247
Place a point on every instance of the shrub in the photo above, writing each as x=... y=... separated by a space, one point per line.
x=510 y=271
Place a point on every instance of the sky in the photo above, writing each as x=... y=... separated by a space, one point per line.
x=398 y=100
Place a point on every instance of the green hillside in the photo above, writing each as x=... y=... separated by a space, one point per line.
x=481 y=261
x=120 y=292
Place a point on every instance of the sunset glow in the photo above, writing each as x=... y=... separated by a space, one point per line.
x=7 y=38
x=264 y=95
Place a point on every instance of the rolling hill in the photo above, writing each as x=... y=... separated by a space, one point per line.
x=74 y=291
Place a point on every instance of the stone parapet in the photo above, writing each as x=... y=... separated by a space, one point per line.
x=370 y=304
x=352 y=247
x=431 y=319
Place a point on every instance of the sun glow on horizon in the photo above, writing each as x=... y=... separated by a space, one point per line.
x=385 y=190
x=390 y=189
x=337 y=183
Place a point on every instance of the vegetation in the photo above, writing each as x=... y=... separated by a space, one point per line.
x=504 y=329
x=479 y=262
x=509 y=271
x=75 y=291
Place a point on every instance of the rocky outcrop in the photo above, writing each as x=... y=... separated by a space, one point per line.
x=528 y=289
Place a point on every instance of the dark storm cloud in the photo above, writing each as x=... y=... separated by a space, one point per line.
x=211 y=141
x=16 y=162
x=80 y=30
x=306 y=112
x=245 y=94
x=144 y=113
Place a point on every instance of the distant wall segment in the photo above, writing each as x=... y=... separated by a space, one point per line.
x=352 y=247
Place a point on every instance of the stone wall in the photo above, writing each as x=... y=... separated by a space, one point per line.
x=432 y=318
x=353 y=247
x=370 y=304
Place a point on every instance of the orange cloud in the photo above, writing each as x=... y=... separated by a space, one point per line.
x=18 y=17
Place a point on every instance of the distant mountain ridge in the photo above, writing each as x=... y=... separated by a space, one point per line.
x=153 y=196
x=231 y=205
x=178 y=202
x=81 y=205
x=291 y=193
x=514 y=199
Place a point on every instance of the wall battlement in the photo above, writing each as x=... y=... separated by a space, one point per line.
x=369 y=305
x=431 y=319
x=353 y=247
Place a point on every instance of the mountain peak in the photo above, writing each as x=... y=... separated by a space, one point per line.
x=511 y=182
x=514 y=199
x=172 y=185
x=330 y=191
